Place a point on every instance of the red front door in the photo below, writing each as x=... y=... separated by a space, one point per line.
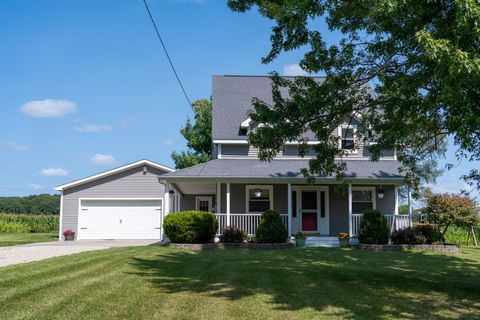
x=309 y=210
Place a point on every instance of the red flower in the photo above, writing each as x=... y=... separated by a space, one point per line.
x=68 y=232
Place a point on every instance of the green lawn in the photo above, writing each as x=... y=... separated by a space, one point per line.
x=11 y=239
x=165 y=283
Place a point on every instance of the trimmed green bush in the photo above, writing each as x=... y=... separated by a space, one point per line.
x=190 y=226
x=431 y=233
x=271 y=228
x=233 y=235
x=373 y=228
x=408 y=236
x=32 y=223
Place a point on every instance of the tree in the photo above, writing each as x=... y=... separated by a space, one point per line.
x=450 y=209
x=424 y=57
x=198 y=136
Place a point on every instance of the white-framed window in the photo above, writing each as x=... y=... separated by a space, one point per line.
x=258 y=198
x=347 y=137
x=203 y=204
x=363 y=198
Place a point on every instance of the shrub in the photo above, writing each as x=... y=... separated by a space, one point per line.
x=34 y=223
x=374 y=228
x=190 y=226
x=271 y=228
x=12 y=227
x=408 y=236
x=233 y=235
x=431 y=233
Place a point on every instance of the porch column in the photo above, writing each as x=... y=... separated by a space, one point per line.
x=218 y=197
x=395 y=212
x=166 y=208
x=350 y=231
x=289 y=211
x=228 y=204
x=409 y=207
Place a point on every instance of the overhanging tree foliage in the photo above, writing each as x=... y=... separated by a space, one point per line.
x=424 y=57
x=198 y=136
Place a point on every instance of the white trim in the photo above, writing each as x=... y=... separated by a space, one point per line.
x=208 y=198
x=319 y=189
x=347 y=126
x=395 y=210
x=247 y=195
x=78 y=237
x=60 y=233
x=228 y=204
x=221 y=141
x=374 y=195
x=113 y=171
x=409 y=206
x=350 y=210
x=245 y=123
x=219 y=151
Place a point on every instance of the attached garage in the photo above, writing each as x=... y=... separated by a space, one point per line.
x=119 y=219
x=123 y=203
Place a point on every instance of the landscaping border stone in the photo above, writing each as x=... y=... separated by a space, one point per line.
x=218 y=245
x=445 y=248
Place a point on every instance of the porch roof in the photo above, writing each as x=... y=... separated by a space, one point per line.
x=223 y=169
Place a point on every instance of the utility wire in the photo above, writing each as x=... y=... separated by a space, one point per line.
x=168 y=56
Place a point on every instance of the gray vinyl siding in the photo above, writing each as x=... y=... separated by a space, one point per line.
x=127 y=184
x=338 y=203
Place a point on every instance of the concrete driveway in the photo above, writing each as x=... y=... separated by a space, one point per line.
x=43 y=250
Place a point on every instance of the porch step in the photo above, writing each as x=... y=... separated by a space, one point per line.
x=317 y=241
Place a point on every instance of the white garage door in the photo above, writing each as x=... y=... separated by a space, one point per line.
x=119 y=219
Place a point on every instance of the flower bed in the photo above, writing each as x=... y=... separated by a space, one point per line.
x=243 y=245
x=446 y=248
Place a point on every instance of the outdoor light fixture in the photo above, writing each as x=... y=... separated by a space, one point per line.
x=257 y=192
x=380 y=193
x=144 y=170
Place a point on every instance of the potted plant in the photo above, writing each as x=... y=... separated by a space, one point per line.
x=300 y=238
x=69 y=235
x=343 y=239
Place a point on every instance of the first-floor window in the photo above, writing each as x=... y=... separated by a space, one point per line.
x=203 y=204
x=362 y=199
x=259 y=198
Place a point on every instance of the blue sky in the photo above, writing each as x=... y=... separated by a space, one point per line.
x=85 y=86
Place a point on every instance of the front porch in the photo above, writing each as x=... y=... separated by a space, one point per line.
x=320 y=210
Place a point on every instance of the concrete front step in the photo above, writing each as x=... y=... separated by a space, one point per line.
x=316 y=241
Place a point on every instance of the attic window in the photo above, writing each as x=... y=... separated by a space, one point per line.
x=347 y=137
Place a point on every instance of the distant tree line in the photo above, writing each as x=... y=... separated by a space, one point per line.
x=34 y=204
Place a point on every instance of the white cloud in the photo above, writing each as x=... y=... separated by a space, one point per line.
x=168 y=141
x=294 y=70
x=54 y=172
x=35 y=186
x=48 y=108
x=92 y=128
x=12 y=145
x=103 y=160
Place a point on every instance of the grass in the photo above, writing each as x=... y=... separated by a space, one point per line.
x=165 y=283
x=11 y=239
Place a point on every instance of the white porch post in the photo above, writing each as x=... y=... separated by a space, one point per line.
x=166 y=207
x=218 y=197
x=350 y=231
x=228 y=204
x=395 y=224
x=409 y=207
x=289 y=211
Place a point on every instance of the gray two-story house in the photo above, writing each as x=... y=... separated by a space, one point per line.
x=238 y=187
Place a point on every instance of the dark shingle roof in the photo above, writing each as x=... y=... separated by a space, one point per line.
x=283 y=169
x=232 y=101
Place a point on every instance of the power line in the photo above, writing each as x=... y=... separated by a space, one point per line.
x=168 y=56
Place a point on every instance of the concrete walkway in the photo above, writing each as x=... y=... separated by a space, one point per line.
x=43 y=250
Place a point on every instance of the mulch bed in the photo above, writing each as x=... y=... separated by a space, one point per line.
x=218 y=245
x=445 y=248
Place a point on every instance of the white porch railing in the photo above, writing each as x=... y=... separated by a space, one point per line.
x=247 y=222
x=395 y=222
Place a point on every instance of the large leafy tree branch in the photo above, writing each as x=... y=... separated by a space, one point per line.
x=424 y=57
x=198 y=136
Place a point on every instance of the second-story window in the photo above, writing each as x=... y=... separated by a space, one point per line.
x=347 y=137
